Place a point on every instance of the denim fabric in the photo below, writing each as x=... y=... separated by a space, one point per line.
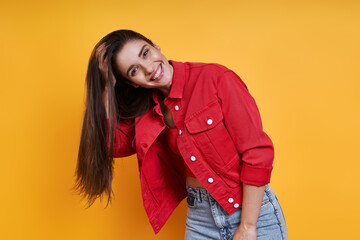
x=206 y=219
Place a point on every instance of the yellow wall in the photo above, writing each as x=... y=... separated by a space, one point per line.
x=300 y=60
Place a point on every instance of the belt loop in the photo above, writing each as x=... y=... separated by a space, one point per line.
x=198 y=195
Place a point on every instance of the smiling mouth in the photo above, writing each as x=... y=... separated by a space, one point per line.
x=157 y=73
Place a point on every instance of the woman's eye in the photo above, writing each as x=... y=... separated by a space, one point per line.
x=146 y=52
x=134 y=71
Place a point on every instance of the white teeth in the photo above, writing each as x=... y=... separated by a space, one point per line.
x=157 y=74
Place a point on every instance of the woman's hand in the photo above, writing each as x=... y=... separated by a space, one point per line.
x=245 y=233
x=103 y=67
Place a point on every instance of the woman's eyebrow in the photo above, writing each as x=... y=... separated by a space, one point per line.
x=141 y=50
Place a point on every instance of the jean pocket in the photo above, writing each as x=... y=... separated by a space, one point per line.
x=191 y=201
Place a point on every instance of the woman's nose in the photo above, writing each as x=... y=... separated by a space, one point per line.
x=148 y=68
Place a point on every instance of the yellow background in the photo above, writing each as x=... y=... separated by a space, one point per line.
x=299 y=59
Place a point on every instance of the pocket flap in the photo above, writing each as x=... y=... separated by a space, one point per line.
x=204 y=120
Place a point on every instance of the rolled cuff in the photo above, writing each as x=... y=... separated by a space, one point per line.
x=257 y=176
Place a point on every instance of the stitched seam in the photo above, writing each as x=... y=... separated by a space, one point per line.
x=212 y=202
x=193 y=115
x=276 y=213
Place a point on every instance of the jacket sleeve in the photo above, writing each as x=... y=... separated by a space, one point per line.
x=243 y=122
x=124 y=140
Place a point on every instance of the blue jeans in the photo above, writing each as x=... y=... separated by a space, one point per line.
x=206 y=219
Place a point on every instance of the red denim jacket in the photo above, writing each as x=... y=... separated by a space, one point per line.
x=220 y=139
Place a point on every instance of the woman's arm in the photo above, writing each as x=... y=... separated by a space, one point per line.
x=250 y=210
x=243 y=122
x=124 y=143
x=106 y=102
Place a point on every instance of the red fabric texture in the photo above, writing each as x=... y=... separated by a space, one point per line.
x=220 y=138
x=171 y=134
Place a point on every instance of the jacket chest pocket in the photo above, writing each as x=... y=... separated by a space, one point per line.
x=211 y=137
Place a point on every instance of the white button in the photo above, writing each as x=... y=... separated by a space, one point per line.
x=209 y=121
x=180 y=132
x=236 y=205
x=210 y=180
x=177 y=108
x=192 y=158
x=230 y=200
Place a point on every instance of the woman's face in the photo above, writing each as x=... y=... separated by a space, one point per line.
x=144 y=65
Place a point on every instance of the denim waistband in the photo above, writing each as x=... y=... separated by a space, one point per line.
x=202 y=194
x=198 y=193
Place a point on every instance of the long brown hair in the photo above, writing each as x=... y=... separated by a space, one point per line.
x=94 y=171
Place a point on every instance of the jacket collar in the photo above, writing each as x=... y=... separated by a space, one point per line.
x=178 y=82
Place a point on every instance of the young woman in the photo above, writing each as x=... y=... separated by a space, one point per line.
x=196 y=131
